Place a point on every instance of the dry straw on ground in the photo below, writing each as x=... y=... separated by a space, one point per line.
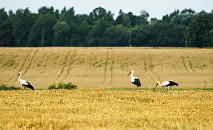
x=107 y=67
x=100 y=108
x=92 y=105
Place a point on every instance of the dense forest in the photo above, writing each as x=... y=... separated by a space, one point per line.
x=52 y=27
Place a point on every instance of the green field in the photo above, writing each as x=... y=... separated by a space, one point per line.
x=107 y=67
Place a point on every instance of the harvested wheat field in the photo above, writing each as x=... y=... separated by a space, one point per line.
x=107 y=67
x=106 y=108
x=105 y=98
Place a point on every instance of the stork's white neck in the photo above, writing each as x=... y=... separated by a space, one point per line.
x=132 y=77
x=132 y=73
x=19 y=78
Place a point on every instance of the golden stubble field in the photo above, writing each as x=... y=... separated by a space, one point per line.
x=106 y=108
x=107 y=67
x=103 y=98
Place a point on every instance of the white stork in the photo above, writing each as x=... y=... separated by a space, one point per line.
x=167 y=84
x=24 y=83
x=134 y=80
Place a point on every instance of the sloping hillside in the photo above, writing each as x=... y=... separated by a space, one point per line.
x=107 y=67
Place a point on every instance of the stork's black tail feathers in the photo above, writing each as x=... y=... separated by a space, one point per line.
x=29 y=86
x=172 y=83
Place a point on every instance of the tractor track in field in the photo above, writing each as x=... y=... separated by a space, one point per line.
x=31 y=59
x=109 y=61
x=63 y=67
x=188 y=65
x=148 y=67
x=105 y=66
x=111 y=67
x=71 y=62
x=22 y=65
x=184 y=63
x=24 y=62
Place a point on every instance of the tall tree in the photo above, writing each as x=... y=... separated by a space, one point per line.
x=42 y=31
x=23 y=23
x=133 y=19
x=143 y=18
x=118 y=35
x=84 y=32
x=96 y=34
x=46 y=10
x=169 y=17
x=183 y=18
x=98 y=14
x=71 y=20
x=198 y=31
x=61 y=34
x=124 y=19
x=141 y=36
x=78 y=37
x=6 y=29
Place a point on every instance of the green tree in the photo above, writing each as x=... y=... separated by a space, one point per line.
x=23 y=23
x=142 y=19
x=141 y=36
x=198 y=31
x=124 y=19
x=42 y=31
x=6 y=29
x=98 y=14
x=167 y=34
x=211 y=38
x=78 y=37
x=118 y=35
x=133 y=19
x=84 y=32
x=71 y=20
x=68 y=16
x=159 y=34
x=183 y=18
x=61 y=34
x=46 y=10
x=169 y=17
x=97 y=31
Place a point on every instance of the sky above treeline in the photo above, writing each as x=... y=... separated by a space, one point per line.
x=155 y=8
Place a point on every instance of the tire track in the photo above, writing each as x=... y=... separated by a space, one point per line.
x=23 y=63
x=31 y=59
x=112 y=63
x=144 y=66
x=151 y=67
x=184 y=63
x=190 y=63
x=187 y=62
x=71 y=62
x=191 y=69
x=105 y=67
x=64 y=64
x=148 y=67
x=25 y=59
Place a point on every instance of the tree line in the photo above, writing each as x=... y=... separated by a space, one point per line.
x=51 y=27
